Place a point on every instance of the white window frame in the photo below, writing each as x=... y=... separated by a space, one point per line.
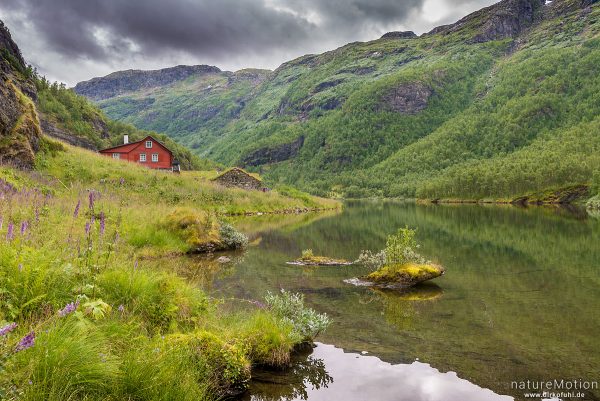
x=142 y=158
x=116 y=155
x=154 y=157
x=148 y=144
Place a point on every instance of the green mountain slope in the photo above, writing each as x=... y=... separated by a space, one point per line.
x=30 y=107
x=501 y=104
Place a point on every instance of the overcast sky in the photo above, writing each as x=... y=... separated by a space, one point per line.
x=75 y=40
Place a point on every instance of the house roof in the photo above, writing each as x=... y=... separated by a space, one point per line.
x=255 y=176
x=130 y=146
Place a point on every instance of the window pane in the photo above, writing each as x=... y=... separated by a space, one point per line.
x=154 y=157
x=149 y=144
x=142 y=157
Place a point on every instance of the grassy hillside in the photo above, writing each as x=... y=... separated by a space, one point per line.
x=470 y=110
x=86 y=125
x=88 y=310
x=193 y=111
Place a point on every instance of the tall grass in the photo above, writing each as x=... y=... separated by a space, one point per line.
x=96 y=318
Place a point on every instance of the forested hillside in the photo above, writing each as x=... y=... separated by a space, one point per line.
x=504 y=103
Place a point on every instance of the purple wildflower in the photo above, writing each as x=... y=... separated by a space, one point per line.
x=258 y=304
x=117 y=236
x=10 y=232
x=1 y=222
x=91 y=199
x=7 y=329
x=37 y=215
x=135 y=265
x=24 y=226
x=122 y=180
x=88 y=227
x=26 y=342
x=102 y=223
x=76 y=212
x=20 y=267
x=69 y=308
x=121 y=308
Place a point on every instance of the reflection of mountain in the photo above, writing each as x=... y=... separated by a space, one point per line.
x=519 y=298
x=305 y=373
x=254 y=226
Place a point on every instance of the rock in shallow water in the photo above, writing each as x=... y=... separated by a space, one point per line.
x=399 y=275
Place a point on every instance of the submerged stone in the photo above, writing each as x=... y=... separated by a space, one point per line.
x=319 y=261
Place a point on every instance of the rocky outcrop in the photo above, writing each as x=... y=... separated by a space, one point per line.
x=506 y=19
x=8 y=46
x=400 y=276
x=328 y=84
x=20 y=133
x=275 y=154
x=50 y=129
x=400 y=35
x=122 y=82
x=408 y=98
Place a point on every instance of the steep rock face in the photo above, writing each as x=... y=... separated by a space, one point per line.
x=131 y=80
x=409 y=98
x=505 y=19
x=50 y=129
x=399 y=35
x=273 y=155
x=19 y=126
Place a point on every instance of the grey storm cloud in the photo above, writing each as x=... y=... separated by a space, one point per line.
x=118 y=34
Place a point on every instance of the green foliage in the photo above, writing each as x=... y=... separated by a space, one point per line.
x=268 y=339
x=101 y=320
x=70 y=360
x=210 y=353
x=399 y=246
x=83 y=119
x=289 y=307
x=400 y=249
x=371 y=259
x=231 y=238
x=503 y=119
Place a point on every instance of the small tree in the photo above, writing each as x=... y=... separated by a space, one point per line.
x=397 y=245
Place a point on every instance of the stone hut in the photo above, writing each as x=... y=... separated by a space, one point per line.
x=238 y=178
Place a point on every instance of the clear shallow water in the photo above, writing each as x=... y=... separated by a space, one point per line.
x=520 y=300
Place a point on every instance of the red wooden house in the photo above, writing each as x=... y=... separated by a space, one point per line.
x=148 y=152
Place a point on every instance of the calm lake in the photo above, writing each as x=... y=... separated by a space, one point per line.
x=520 y=301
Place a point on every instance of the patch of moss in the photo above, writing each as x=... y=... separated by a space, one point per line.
x=199 y=229
x=308 y=259
x=210 y=353
x=407 y=274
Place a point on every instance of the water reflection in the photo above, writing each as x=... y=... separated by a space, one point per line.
x=307 y=373
x=331 y=374
x=519 y=301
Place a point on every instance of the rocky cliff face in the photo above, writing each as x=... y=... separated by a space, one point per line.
x=132 y=80
x=399 y=35
x=274 y=154
x=505 y=19
x=20 y=132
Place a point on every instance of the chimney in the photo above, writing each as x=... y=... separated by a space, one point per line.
x=125 y=139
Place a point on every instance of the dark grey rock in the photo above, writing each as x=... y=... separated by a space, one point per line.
x=275 y=154
x=408 y=98
x=122 y=82
x=400 y=35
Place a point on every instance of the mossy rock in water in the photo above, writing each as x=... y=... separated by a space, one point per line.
x=403 y=275
x=319 y=261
